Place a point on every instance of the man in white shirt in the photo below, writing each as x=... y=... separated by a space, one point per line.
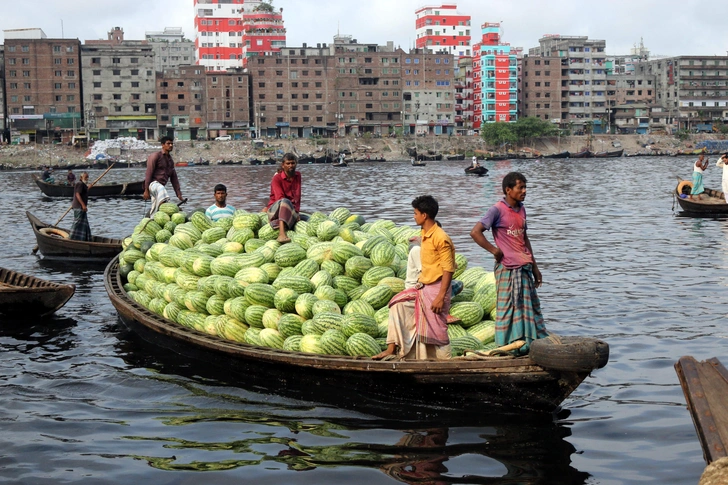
x=220 y=208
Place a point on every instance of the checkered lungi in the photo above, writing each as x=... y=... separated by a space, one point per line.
x=518 y=309
x=80 y=231
x=282 y=210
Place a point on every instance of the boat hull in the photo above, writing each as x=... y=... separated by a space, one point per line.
x=26 y=296
x=476 y=170
x=712 y=204
x=99 y=249
x=497 y=384
x=110 y=190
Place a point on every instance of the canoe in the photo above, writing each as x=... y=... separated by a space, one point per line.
x=26 y=296
x=483 y=385
x=710 y=204
x=565 y=154
x=418 y=164
x=705 y=385
x=98 y=190
x=54 y=246
x=479 y=170
x=609 y=154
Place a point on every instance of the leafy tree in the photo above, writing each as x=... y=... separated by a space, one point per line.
x=533 y=127
x=499 y=133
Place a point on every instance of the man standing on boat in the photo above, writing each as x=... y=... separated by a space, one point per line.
x=80 y=231
x=698 y=168
x=723 y=163
x=518 y=309
x=475 y=162
x=418 y=315
x=220 y=208
x=160 y=169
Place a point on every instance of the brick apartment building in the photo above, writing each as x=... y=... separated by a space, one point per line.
x=43 y=86
x=181 y=102
x=228 y=103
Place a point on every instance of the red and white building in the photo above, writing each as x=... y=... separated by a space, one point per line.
x=228 y=32
x=443 y=29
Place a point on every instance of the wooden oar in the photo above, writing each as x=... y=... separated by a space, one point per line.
x=35 y=249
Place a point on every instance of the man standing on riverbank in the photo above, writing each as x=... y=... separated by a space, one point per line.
x=518 y=309
x=160 y=169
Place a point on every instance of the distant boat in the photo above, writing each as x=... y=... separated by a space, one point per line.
x=479 y=170
x=582 y=154
x=565 y=154
x=97 y=190
x=609 y=154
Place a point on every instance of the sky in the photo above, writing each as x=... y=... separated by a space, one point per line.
x=667 y=27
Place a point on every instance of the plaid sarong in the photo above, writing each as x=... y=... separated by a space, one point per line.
x=282 y=210
x=518 y=309
x=80 y=231
x=431 y=327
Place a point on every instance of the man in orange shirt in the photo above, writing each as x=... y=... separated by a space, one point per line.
x=418 y=315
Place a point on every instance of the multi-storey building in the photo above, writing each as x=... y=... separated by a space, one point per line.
x=228 y=103
x=495 y=66
x=693 y=89
x=541 y=88
x=263 y=31
x=443 y=29
x=43 y=79
x=4 y=131
x=428 y=92
x=218 y=33
x=583 y=80
x=171 y=48
x=464 y=96
x=181 y=102
x=118 y=87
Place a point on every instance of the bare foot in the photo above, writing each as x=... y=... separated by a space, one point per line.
x=283 y=239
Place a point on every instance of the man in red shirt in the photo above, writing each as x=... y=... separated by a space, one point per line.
x=285 y=197
x=160 y=169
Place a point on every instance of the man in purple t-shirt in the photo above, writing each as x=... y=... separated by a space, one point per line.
x=518 y=309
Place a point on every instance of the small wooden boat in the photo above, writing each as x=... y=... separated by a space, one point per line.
x=98 y=190
x=479 y=170
x=418 y=164
x=705 y=385
x=481 y=385
x=26 y=296
x=54 y=243
x=458 y=156
x=710 y=203
x=565 y=154
x=582 y=154
x=609 y=154
x=340 y=163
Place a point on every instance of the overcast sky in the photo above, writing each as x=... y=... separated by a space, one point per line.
x=668 y=27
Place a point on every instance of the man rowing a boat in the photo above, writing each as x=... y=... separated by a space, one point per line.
x=418 y=315
x=80 y=231
x=160 y=169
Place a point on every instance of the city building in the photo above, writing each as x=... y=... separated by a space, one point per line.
x=171 y=48
x=580 y=64
x=119 y=87
x=181 y=102
x=428 y=92
x=443 y=29
x=264 y=33
x=692 y=89
x=464 y=99
x=228 y=103
x=43 y=80
x=218 y=34
x=495 y=78
x=4 y=122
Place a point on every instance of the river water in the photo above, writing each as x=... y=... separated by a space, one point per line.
x=83 y=400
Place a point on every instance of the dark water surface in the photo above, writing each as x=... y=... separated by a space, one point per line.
x=83 y=400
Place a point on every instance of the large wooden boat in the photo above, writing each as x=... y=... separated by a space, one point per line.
x=97 y=190
x=26 y=296
x=484 y=385
x=54 y=243
x=710 y=203
x=705 y=385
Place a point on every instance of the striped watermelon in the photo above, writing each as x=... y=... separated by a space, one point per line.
x=471 y=276
x=483 y=331
x=223 y=286
x=311 y=344
x=300 y=284
x=356 y=266
x=169 y=208
x=189 y=229
x=344 y=283
x=382 y=254
x=340 y=215
x=394 y=283
x=271 y=317
x=486 y=298
x=246 y=221
x=213 y=234
x=213 y=250
x=361 y=344
x=461 y=265
x=455 y=330
x=333 y=342
x=253 y=244
x=325 y=321
x=254 y=315
x=179 y=218
x=293 y=342
x=342 y=251
x=308 y=327
x=215 y=305
x=260 y=294
x=358 y=307
x=325 y=306
x=383 y=328
x=459 y=345
x=358 y=323
x=201 y=221
x=304 y=304
x=254 y=259
x=320 y=252
x=378 y=296
x=334 y=268
x=201 y=265
x=375 y=274
x=468 y=312
x=267 y=233
x=250 y=275
x=196 y=301
x=327 y=230
x=168 y=255
x=237 y=308
x=340 y=298
x=285 y=300
x=325 y=292
x=372 y=241
x=290 y=324
x=466 y=294
x=231 y=247
x=231 y=329
x=171 y=311
x=382 y=315
x=272 y=270
x=240 y=235
x=225 y=264
x=307 y=268
x=271 y=338
x=357 y=292
x=321 y=278
x=289 y=255
x=252 y=336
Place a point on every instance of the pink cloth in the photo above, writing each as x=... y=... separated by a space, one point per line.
x=509 y=232
x=431 y=327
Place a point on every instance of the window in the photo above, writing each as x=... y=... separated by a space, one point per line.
x=97 y=84
x=117 y=84
x=97 y=97
x=135 y=84
x=58 y=73
x=180 y=96
x=117 y=96
x=71 y=73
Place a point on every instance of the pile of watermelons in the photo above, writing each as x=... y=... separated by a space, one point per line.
x=325 y=292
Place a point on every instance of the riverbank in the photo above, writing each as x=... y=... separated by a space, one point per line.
x=36 y=156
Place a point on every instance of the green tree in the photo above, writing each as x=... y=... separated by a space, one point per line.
x=498 y=134
x=532 y=127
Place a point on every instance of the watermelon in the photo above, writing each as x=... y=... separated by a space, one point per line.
x=466 y=294
x=253 y=244
x=461 y=264
x=300 y=284
x=307 y=268
x=375 y=274
x=260 y=294
x=215 y=305
x=231 y=328
x=321 y=278
x=171 y=311
x=201 y=265
x=224 y=286
x=289 y=255
x=285 y=300
x=342 y=251
x=267 y=233
x=359 y=307
x=483 y=331
x=357 y=292
x=468 y=312
x=272 y=270
x=231 y=247
x=163 y=236
x=455 y=330
x=308 y=327
x=362 y=344
x=271 y=317
x=325 y=292
x=394 y=283
x=358 y=323
x=181 y=241
x=333 y=342
x=250 y=275
x=254 y=315
x=486 y=298
x=344 y=283
x=378 y=296
x=304 y=304
x=213 y=234
x=471 y=276
x=179 y=217
x=236 y=308
x=326 y=320
x=311 y=344
x=325 y=306
x=320 y=252
x=290 y=324
x=196 y=301
x=382 y=254
x=271 y=338
x=340 y=215
x=334 y=268
x=356 y=266
x=383 y=328
x=201 y=221
x=252 y=336
x=246 y=221
x=293 y=342
x=460 y=344
x=240 y=236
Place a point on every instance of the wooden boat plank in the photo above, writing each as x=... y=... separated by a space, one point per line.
x=705 y=385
